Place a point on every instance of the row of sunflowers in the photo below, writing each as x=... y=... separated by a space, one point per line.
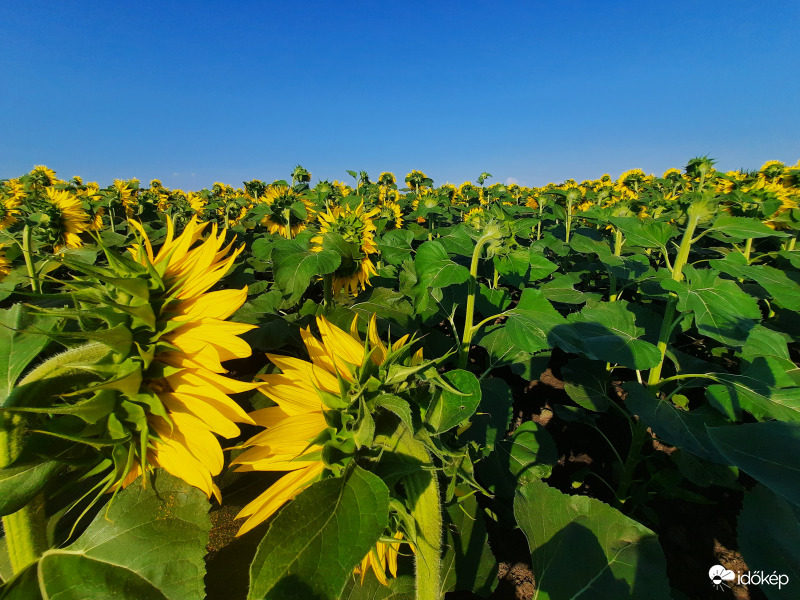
x=364 y=350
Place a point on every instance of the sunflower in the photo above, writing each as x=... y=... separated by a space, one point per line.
x=187 y=376
x=67 y=220
x=387 y=179
x=298 y=419
x=124 y=193
x=382 y=556
x=357 y=229
x=283 y=207
x=416 y=180
x=9 y=211
x=5 y=264
x=476 y=218
x=391 y=210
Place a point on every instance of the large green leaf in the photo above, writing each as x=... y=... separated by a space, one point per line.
x=757 y=392
x=468 y=563
x=531 y=323
x=530 y=453
x=785 y=291
x=149 y=545
x=742 y=227
x=581 y=548
x=607 y=331
x=586 y=383
x=435 y=269
x=722 y=311
x=448 y=409
x=395 y=246
x=314 y=543
x=21 y=482
x=389 y=306
x=769 y=452
x=295 y=267
x=22 y=338
x=401 y=588
x=769 y=539
x=646 y=234
x=493 y=417
x=676 y=427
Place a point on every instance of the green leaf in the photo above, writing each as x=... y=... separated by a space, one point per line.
x=295 y=268
x=314 y=543
x=396 y=405
x=540 y=266
x=448 y=409
x=531 y=323
x=21 y=482
x=468 y=563
x=561 y=289
x=686 y=430
x=435 y=269
x=769 y=452
x=530 y=453
x=395 y=246
x=493 y=417
x=722 y=311
x=785 y=291
x=22 y=338
x=586 y=383
x=149 y=545
x=755 y=395
x=389 y=306
x=742 y=227
x=607 y=331
x=769 y=539
x=583 y=549
x=402 y=588
x=645 y=234
x=513 y=266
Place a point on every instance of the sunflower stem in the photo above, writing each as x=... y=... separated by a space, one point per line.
x=26 y=534
x=669 y=322
x=472 y=289
x=423 y=494
x=287 y=215
x=27 y=236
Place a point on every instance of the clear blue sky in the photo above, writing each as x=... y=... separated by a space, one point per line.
x=197 y=92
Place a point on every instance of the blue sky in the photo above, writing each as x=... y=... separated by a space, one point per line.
x=197 y=92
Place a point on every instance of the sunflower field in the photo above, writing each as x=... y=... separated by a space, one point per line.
x=392 y=390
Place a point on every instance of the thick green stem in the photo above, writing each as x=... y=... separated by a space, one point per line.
x=612 y=293
x=422 y=491
x=669 y=314
x=26 y=534
x=27 y=253
x=472 y=289
x=568 y=221
x=748 y=247
x=287 y=215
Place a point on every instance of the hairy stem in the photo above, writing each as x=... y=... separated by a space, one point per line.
x=26 y=536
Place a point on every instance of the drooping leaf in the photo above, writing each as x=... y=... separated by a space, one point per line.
x=449 y=409
x=581 y=548
x=768 y=532
x=769 y=452
x=435 y=269
x=314 y=543
x=468 y=563
x=149 y=546
x=785 y=291
x=22 y=338
x=586 y=382
x=21 y=482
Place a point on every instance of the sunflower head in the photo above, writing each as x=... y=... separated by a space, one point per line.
x=63 y=220
x=350 y=232
x=387 y=178
x=286 y=210
x=418 y=179
x=772 y=169
x=41 y=177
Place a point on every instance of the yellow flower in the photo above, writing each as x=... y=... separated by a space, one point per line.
x=5 y=264
x=189 y=378
x=9 y=211
x=298 y=419
x=280 y=198
x=67 y=219
x=356 y=227
x=386 y=178
x=382 y=556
